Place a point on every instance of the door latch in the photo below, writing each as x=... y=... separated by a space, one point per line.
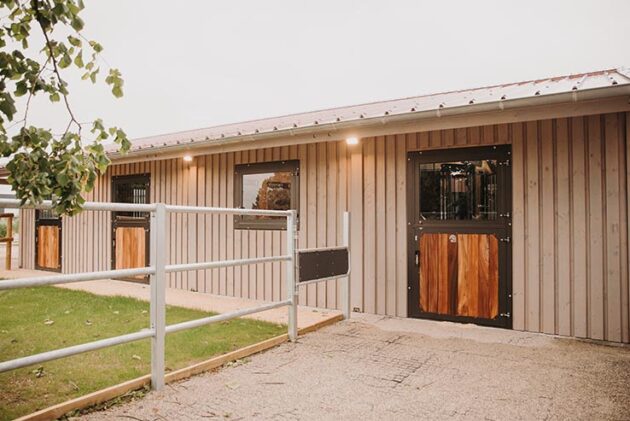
x=417 y=257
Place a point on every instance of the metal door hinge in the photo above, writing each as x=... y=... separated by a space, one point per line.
x=505 y=163
x=505 y=240
x=508 y=315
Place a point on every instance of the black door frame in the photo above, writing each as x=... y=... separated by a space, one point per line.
x=131 y=223
x=49 y=222
x=501 y=228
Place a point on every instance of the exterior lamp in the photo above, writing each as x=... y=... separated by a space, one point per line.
x=352 y=141
x=187 y=158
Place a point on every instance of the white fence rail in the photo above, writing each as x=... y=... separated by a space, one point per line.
x=157 y=270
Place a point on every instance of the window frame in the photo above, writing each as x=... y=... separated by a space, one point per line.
x=117 y=180
x=292 y=166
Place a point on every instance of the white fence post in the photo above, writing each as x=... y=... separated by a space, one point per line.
x=345 y=290
x=158 y=292
x=291 y=274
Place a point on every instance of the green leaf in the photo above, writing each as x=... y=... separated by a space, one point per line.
x=65 y=61
x=76 y=42
x=78 y=60
x=77 y=23
x=20 y=88
x=96 y=46
x=117 y=91
x=7 y=106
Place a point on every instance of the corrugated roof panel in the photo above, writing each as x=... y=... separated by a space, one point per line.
x=439 y=101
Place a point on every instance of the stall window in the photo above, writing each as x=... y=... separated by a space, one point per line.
x=461 y=190
x=268 y=185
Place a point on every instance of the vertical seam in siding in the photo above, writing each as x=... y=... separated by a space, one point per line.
x=602 y=137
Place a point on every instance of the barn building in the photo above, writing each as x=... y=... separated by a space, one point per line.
x=504 y=205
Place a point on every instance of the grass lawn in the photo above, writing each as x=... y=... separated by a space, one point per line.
x=41 y=319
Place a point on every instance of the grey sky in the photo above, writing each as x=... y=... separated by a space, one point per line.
x=191 y=64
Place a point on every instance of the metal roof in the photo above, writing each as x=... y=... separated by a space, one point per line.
x=405 y=106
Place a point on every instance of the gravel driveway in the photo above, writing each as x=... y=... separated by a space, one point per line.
x=374 y=368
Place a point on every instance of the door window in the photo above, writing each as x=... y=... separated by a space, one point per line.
x=459 y=190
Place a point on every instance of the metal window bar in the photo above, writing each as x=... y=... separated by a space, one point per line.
x=157 y=270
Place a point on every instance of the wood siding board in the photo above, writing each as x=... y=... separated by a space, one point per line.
x=332 y=190
x=612 y=298
x=391 y=225
x=192 y=245
x=519 y=226
x=229 y=222
x=579 y=221
x=401 y=225
x=284 y=155
x=423 y=141
x=355 y=203
x=487 y=135
x=532 y=256
x=461 y=136
x=563 y=223
x=222 y=220
x=304 y=214
x=548 y=290
x=381 y=226
x=238 y=246
x=216 y=244
x=322 y=216
x=201 y=221
x=596 y=229
x=369 y=227
x=311 y=209
x=342 y=203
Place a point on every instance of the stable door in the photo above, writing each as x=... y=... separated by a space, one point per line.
x=47 y=240
x=459 y=235
x=130 y=230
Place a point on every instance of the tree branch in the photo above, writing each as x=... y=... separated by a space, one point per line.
x=56 y=69
x=32 y=91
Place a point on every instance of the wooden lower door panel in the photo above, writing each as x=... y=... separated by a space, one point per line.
x=131 y=248
x=48 y=253
x=459 y=274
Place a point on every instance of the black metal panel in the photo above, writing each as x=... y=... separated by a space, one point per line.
x=320 y=264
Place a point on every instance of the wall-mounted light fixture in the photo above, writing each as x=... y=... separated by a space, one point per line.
x=188 y=158
x=352 y=141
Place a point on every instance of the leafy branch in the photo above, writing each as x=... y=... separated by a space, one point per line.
x=44 y=165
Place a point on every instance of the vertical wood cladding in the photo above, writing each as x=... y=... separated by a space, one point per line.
x=570 y=221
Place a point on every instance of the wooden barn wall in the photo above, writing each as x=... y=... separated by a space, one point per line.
x=570 y=226
x=570 y=221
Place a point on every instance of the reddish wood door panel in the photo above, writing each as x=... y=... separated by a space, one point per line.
x=131 y=248
x=459 y=274
x=48 y=253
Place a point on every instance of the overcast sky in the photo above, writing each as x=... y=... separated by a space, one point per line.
x=190 y=64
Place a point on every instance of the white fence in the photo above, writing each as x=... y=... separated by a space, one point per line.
x=157 y=271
